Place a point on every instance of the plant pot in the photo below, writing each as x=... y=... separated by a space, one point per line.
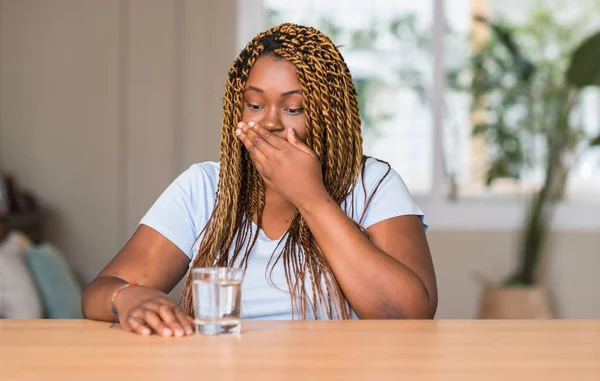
x=515 y=303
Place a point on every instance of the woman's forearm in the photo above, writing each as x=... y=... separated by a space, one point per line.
x=375 y=284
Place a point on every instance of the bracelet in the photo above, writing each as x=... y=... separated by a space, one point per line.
x=112 y=301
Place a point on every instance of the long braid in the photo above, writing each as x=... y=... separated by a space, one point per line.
x=333 y=132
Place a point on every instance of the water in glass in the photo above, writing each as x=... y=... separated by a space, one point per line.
x=217 y=300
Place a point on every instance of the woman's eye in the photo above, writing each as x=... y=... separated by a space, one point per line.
x=254 y=107
x=294 y=111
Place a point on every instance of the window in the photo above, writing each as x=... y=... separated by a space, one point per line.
x=387 y=46
x=545 y=32
x=415 y=118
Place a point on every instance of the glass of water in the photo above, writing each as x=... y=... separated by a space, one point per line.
x=217 y=299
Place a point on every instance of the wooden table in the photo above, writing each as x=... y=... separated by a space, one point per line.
x=342 y=350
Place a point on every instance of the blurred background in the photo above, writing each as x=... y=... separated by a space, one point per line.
x=488 y=109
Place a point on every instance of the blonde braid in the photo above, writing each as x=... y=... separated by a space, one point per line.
x=333 y=132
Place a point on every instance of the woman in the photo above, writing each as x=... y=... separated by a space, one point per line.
x=292 y=199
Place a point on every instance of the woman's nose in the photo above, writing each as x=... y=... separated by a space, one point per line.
x=272 y=121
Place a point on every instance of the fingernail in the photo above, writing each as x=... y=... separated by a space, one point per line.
x=241 y=124
x=238 y=132
x=251 y=124
x=189 y=330
x=178 y=332
x=167 y=332
x=145 y=331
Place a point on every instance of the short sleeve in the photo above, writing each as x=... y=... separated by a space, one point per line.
x=390 y=199
x=182 y=210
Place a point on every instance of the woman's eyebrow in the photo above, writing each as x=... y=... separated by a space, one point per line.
x=284 y=94
x=254 y=89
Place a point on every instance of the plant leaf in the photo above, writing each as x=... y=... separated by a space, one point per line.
x=595 y=141
x=584 y=69
x=524 y=66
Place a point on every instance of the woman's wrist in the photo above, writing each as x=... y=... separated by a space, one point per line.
x=310 y=198
x=117 y=298
x=314 y=202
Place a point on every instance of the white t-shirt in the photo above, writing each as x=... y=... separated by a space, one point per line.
x=183 y=209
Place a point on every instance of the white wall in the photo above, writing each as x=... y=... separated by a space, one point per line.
x=569 y=269
x=104 y=102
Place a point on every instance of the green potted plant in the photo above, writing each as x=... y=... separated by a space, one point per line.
x=517 y=100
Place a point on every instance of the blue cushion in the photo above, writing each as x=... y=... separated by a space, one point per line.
x=60 y=292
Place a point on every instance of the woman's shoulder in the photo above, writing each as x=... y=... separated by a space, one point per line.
x=184 y=207
x=374 y=171
x=204 y=170
x=195 y=187
x=380 y=193
x=374 y=166
x=199 y=176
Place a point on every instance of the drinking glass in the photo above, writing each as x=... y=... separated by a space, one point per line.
x=217 y=299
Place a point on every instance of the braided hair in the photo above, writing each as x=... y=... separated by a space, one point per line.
x=333 y=128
